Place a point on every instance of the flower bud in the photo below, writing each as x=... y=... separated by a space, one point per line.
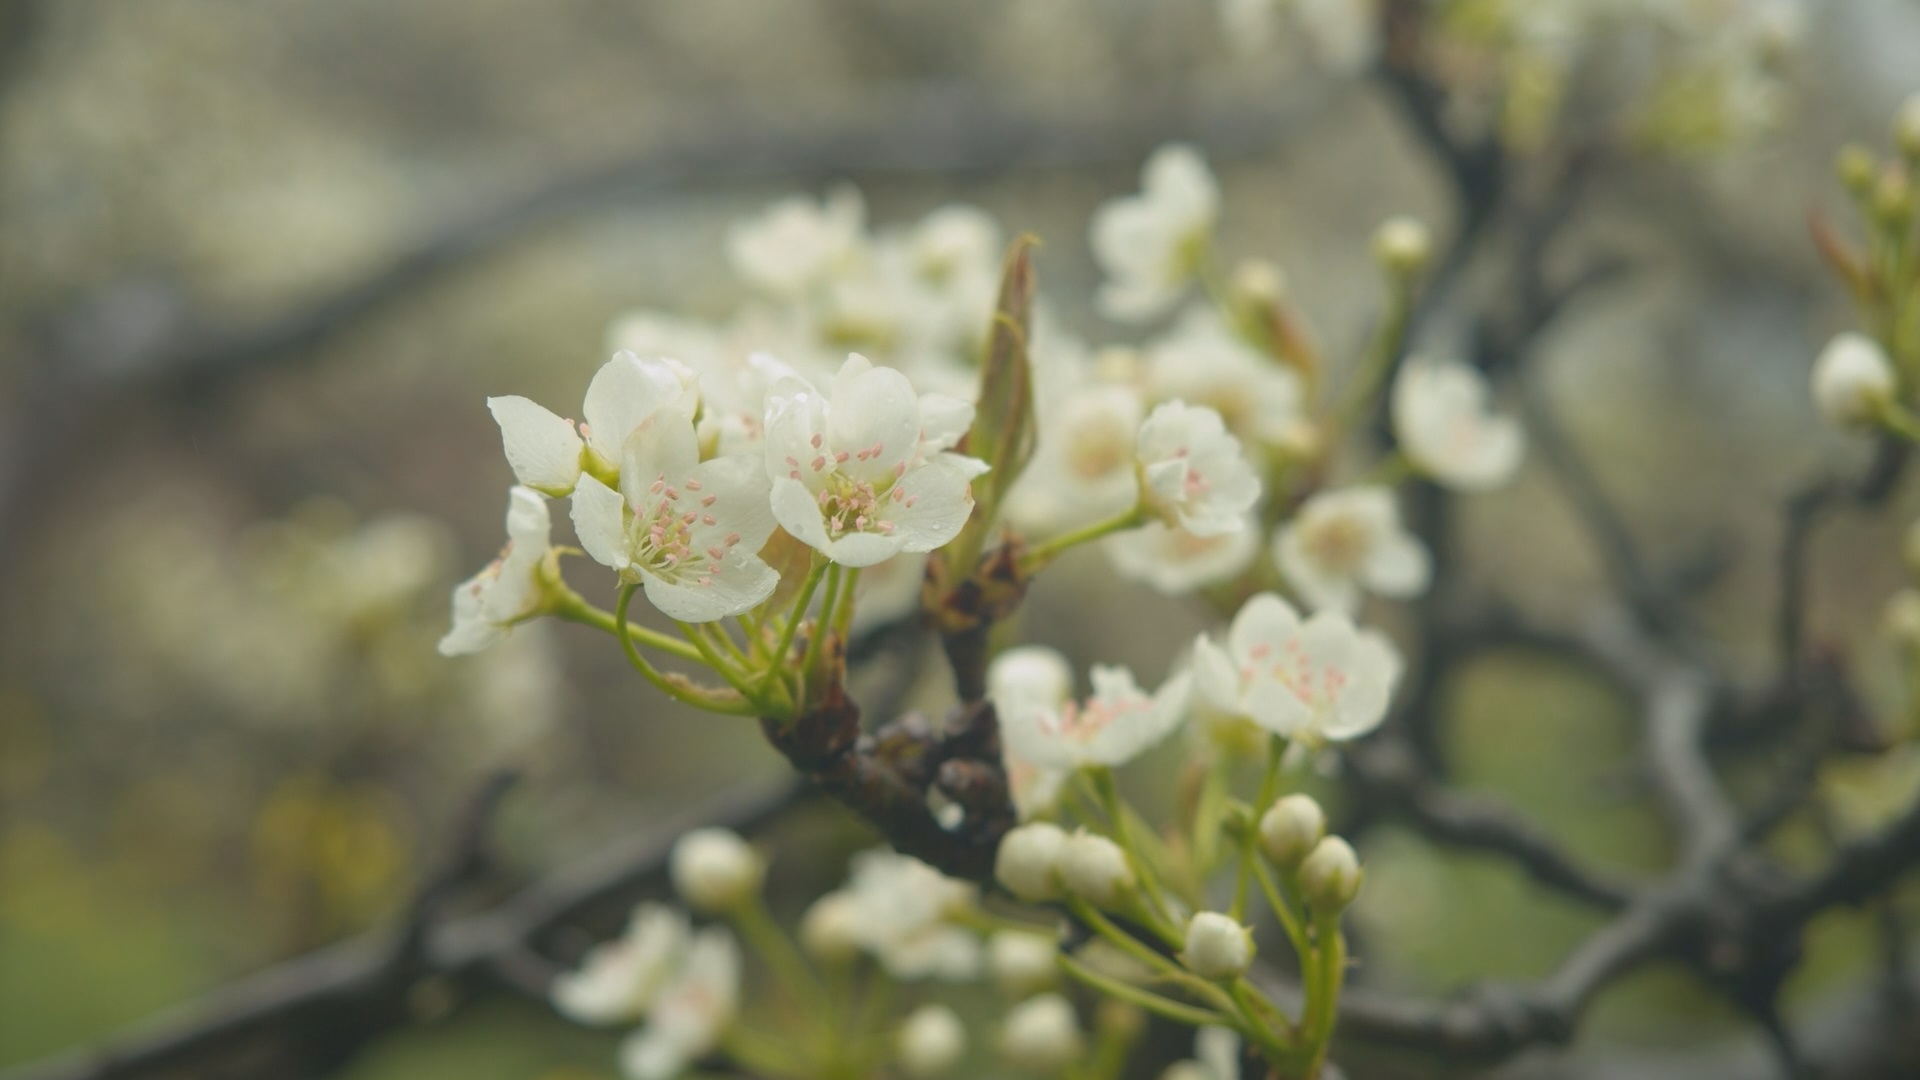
x=1857 y=170
x=1259 y=282
x=1028 y=862
x=1330 y=876
x=715 y=871
x=1852 y=380
x=931 y=1042
x=1042 y=1035
x=1218 y=947
x=1023 y=964
x=1906 y=128
x=1403 y=245
x=1290 y=828
x=830 y=931
x=1095 y=869
x=1893 y=198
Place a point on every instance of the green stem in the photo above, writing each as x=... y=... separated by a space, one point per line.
x=1269 y=785
x=712 y=658
x=572 y=607
x=789 y=967
x=799 y=612
x=1283 y=911
x=1900 y=420
x=1323 y=987
x=1043 y=553
x=1161 y=912
x=1145 y=999
x=1134 y=947
x=1382 y=354
x=679 y=692
x=816 y=640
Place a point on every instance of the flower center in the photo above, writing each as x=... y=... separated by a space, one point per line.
x=1339 y=545
x=667 y=533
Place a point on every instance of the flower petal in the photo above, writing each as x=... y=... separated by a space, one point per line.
x=739 y=583
x=542 y=448
x=600 y=523
x=625 y=391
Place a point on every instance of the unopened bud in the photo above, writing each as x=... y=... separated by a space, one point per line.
x=1095 y=869
x=1259 y=282
x=1906 y=129
x=1290 y=828
x=932 y=1040
x=1403 y=245
x=1028 y=862
x=1042 y=1035
x=715 y=871
x=1857 y=170
x=1217 y=946
x=1023 y=964
x=1330 y=876
x=1852 y=380
x=831 y=929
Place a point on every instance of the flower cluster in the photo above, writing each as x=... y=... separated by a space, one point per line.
x=832 y=458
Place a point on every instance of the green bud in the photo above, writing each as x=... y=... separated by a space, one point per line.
x=1330 y=876
x=1291 y=828
x=1857 y=169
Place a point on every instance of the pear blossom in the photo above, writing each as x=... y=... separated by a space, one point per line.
x=1343 y=542
x=1853 y=380
x=851 y=475
x=797 y=244
x=1082 y=469
x=688 y=1018
x=618 y=980
x=1044 y=726
x=1203 y=362
x=1317 y=680
x=686 y=530
x=1441 y=420
x=1175 y=562
x=546 y=451
x=488 y=604
x=906 y=917
x=1151 y=244
x=1192 y=472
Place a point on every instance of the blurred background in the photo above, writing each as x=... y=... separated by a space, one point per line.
x=264 y=260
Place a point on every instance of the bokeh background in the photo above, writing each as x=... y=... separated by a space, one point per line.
x=263 y=260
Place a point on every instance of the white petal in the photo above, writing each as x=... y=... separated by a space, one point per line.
x=739 y=583
x=1264 y=620
x=865 y=549
x=1215 y=675
x=599 y=522
x=1399 y=566
x=941 y=500
x=796 y=446
x=529 y=524
x=795 y=508
x=741 y=498
x=543 y=449
x=471 y=632
x=874 y=409
x=661 y=447
x=944 y=420
x=625 y=391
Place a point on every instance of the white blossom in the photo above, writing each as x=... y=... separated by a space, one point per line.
x=1043 y=725
x=1321 y=679
x=686 y=530
x=1151 y=244
x=1203 y=362
x=1176 y=562
x=851 y=478
x=931 y=1042
x=1082 y=469
x=1852 y=380
x=546 y=452
x=797 y=244
x=906 y=917
x=688 y=1018
x=486 y=605
x=619 y=979
x=1341 y=543
x=1192 y=472
x=1441 y=419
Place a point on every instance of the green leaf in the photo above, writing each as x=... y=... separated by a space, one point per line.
x=1003 y=432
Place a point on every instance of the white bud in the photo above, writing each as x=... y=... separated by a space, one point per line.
x=1330 y=877
x=1218 y=947
x=1028 y=862
x=830 y=931
x=1290 y=828
x=1042 y=1034
x=1403 y=245
x=1852 y=379
x=931 y=1042
x=714 y=870
x=1023 y=964
x=1095 y=869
